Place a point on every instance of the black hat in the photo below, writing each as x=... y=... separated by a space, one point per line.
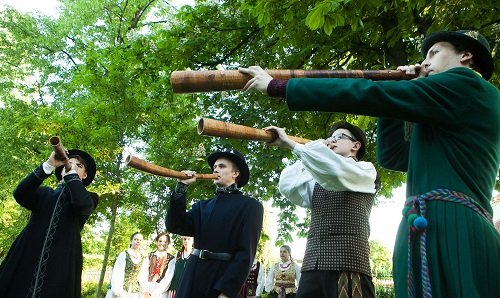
x=89 y=166
x=357 y=133
x=235 y=157
x=472 y=41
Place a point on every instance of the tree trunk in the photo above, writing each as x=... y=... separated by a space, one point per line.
x=114 y=207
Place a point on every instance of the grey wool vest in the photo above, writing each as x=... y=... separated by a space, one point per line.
x=339 y=231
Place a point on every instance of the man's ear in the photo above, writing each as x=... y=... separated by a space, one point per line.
x=84 y=175
x=466 y=58
x=236 y=173
x=356 y=146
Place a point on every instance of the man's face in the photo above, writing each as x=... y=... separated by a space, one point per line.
x=227 y=172
x=343 y=143
x=442 y=57
x=78 y=167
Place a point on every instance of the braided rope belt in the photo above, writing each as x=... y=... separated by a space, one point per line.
x=414 y=211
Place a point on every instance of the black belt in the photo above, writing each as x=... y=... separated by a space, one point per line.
x=204 y=254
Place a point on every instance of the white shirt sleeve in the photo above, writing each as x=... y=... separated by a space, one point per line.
x=297 y=184
x=260 y=281
x=335 y=172
x=297 y=274
x=118 y=276
x=47 y=168
x=270 y=279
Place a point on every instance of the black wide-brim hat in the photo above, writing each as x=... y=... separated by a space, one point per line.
x=89 y=166
x=472 y=41
x=235 y=157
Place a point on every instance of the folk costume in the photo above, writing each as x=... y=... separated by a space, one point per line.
x=179 y=265
x=254 y=285
x=340 y=192
x=226 y=231
x=128 y=275
x=160 y=273
x=158 y=264
x=46 y=259
x=451 y=158
x=282 y=279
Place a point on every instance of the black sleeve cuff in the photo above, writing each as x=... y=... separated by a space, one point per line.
x=180 y=190
x=40 y=173
x=277 y=88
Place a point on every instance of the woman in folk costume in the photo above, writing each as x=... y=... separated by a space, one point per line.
x=130 y=268
x=284 y=276
x=166 y=288
x=158 y=260
x=179 y=264
x=158 y=263
x=254 y=286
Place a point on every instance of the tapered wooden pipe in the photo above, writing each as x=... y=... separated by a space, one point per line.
x=220 y=80
x=216 y=128
x=60 y=151
x=150 y=168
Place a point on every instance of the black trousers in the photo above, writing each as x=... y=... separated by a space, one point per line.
x=323 y=283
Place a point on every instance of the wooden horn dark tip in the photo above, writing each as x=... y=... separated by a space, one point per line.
x=54 y=140
x=200 y=126
x=128 y=159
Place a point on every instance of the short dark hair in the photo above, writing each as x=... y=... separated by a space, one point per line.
x=357 y=133
x=460 y=48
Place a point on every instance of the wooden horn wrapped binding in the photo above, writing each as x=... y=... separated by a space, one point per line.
x=221 y=80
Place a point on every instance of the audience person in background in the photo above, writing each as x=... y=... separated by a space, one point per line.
x=179 y=264
x=254 y=286
x=284 y=276
x=158 y=262
x=130 y=268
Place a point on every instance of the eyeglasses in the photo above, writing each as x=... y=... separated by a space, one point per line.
x=338 y=137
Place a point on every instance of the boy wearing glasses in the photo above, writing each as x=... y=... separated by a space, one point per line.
x=330 y=179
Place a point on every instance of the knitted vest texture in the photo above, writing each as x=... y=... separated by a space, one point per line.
x=339 y=231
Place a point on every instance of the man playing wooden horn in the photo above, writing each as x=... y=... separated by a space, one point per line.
x=446 y=245
x=226 y=230
x=330 y=179
x=46 y=259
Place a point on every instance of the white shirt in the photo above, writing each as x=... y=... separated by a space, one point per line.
x=332 y=171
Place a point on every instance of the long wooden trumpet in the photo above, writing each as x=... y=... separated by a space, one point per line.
x=216 y=128
x=220 y=80
x=150 y=168
x=58 y=148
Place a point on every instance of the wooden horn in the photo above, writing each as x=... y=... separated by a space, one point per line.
x=150 y=168
x=58 y=148
x=220 y=80
x=216 y=128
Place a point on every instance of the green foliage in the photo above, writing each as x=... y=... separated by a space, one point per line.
x=98 y=76
x=89 y=290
